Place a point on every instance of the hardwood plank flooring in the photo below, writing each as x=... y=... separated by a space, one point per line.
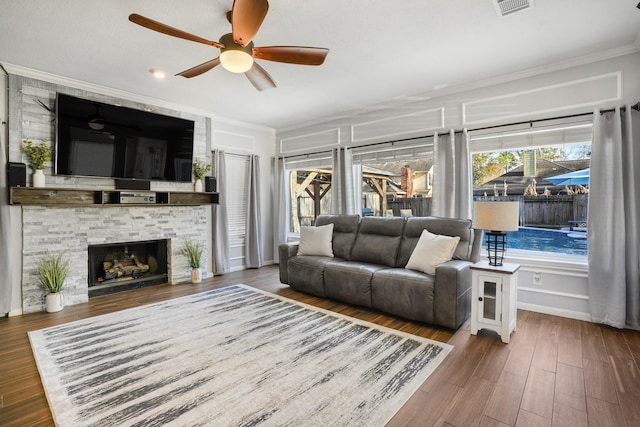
x=555 y=372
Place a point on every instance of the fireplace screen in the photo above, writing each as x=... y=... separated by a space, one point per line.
x=127 y=265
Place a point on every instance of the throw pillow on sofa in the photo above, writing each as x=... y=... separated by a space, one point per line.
x=316 y=240
x=431 y=250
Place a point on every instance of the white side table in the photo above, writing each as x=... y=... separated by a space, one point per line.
x=493 y=298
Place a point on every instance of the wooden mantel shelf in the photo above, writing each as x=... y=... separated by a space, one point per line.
x=84 y=197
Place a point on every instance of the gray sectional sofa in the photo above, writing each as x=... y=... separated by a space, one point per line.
x=368 y=267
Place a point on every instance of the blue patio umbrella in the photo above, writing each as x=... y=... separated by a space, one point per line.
x=580 y=177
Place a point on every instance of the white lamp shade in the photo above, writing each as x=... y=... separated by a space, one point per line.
x=236 y=61
x=496 y=216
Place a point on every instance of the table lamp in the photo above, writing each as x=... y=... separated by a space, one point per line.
x=496 y=218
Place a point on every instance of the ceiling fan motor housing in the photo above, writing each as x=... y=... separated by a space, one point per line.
x=233 y=57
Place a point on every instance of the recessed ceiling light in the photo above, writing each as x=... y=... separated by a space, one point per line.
x=157 y=73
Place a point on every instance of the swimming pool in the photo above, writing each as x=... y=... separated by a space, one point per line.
x=547 y=240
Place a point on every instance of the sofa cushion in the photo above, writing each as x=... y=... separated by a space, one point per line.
x=430 y=251
x=378 y=240
x=316 y=240
x=306 y=273
x=444 y=226
x=403 y=292
x=345 y=228
x=350 y=281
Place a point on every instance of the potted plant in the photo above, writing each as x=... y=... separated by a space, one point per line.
x=193 y=250
x=200 y=169
x=52 y=272
x=38 y=155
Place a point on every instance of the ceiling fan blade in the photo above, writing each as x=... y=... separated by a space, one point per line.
x=292 y=54
x=199 y=69
x=246 y=18
x=166 y=29
x=259 y=78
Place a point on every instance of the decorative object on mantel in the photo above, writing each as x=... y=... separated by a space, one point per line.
x=496 y=218
x=52 y=272
x=200 y=169
x=193 y=250
x=38 y=155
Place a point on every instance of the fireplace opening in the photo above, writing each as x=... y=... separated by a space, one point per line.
x=115 y=267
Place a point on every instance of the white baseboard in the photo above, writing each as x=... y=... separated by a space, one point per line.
x=577 y=315
x=15 y=312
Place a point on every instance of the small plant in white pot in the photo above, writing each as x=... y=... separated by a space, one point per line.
x=193 y=250
x=52 y=272
x=200 y=169
x=38 y=156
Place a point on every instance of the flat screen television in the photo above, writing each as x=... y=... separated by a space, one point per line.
x=102 y=140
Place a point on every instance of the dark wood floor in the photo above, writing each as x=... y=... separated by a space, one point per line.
x=554 y=372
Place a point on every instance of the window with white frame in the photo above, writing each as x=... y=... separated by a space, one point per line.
x=309 y=178
x=236 y=198
x=396 y=178
x=545 y=166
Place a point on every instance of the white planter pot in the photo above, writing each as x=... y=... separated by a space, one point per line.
x=54 y=302
x=38 y=178
x=197 y=186
x=196 y=277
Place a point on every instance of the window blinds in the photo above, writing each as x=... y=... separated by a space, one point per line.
x=236 y=197
x=577 y=130
x=397 y=150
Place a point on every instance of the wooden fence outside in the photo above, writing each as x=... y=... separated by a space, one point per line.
x=535 y=211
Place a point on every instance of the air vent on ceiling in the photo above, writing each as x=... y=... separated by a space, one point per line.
x=507 y=7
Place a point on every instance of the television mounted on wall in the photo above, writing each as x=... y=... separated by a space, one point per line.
x=95 y=139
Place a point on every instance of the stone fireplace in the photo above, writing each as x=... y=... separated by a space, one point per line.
x=73 y=229
x=118 y=266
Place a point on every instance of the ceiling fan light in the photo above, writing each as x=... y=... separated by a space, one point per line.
x=236 y=61
x=96 y=123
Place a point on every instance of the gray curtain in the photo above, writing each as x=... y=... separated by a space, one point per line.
x=342 y=197
x=452 y=180
x=253 y=247
x=280 y=215
x=612 y=224
x=6 y=225
x=221 y=262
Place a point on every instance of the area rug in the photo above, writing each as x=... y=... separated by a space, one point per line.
x=234 y=356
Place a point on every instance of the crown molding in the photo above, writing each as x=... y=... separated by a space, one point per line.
x=104 y=90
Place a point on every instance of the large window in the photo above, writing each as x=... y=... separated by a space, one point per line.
x=396 y=177
x=310 y=189
x=545 y=167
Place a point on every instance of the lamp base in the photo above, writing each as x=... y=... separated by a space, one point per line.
x=496 y=246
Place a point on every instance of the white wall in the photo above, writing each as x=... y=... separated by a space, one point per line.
x=579 y=86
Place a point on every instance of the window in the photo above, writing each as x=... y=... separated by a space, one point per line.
x=397 y=177
x=544 y=166
x=237 y=169
x=310 y=183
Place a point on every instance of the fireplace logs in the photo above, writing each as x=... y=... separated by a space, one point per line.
x=127 y=265
x=123 y=266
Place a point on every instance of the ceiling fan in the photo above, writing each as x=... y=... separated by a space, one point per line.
x=237 y=52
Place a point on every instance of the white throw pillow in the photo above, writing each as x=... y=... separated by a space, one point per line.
x=431 y=250
x=316 y=240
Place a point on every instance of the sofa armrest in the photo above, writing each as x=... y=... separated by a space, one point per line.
x=452 y=293
x=286 y=251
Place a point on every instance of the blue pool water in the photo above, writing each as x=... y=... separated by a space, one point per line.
x=546 y=240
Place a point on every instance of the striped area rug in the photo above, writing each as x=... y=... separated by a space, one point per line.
x=234 y=356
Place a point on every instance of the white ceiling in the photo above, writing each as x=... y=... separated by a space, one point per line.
x=380 y=50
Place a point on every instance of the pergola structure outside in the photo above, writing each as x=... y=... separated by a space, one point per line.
x=316 y=183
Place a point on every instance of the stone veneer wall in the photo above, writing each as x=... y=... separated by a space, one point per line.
x=73 y=229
